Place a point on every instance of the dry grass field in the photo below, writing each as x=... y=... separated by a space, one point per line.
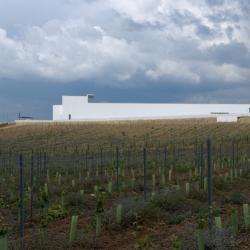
x=101 y=133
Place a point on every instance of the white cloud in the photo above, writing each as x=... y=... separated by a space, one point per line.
x=67 y=51
x=110 y=41
x=173 y=70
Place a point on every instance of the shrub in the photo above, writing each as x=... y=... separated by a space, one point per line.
x=56 y=212
x=3 y=203
x=220 y=184
x=174 y=218
x=3 y=230
x=73 y=199
x=170 y=200
x=135 y=212
x=237 y=198
x=198 y=195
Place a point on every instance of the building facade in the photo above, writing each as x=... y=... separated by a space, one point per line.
x=78 y=108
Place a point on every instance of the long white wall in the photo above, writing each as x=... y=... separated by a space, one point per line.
x=80 y=109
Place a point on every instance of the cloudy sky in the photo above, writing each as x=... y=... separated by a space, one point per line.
x=123 y=51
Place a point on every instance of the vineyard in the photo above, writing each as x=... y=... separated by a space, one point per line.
x=180 y=184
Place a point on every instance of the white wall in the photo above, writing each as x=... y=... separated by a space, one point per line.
x=58 y=112
x=80 y=109
x=227 y=118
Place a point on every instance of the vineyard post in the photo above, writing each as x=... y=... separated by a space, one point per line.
x=117 y=168
x=145 y=172
x=31 y=184
x=174 y=165
x=45 y=164
x=101 y=161
x=128 y=157
x=209 y=183
x=233 y=158
x=165 y=161
x=196 y=155
x=21 y=202
x=38 y=164
x=75 y=156
x=221 y=154
x=86 y=159
x=9 y=157
x=201 y=166
x=237 y=153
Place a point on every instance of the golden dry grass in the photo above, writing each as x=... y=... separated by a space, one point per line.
x=126 y=132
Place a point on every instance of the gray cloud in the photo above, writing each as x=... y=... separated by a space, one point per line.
x=233 y=53
x=188 y=48
x=215 y=2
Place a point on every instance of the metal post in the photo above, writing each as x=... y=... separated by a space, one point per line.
x=174 y=165
x=209 y=183
x=201 y=166
x=44 y=164
x=221 y=155
x=233 y=158
x=145 y=172
x=31 y=185
x=165 y=160
x=21 y=201
x=86 y=159
x=117 y=168
x=101 y=163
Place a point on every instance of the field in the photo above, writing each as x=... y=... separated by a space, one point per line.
x=168 y=184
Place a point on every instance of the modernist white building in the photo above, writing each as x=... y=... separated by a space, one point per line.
x=78 y=108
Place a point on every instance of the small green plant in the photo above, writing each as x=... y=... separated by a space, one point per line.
x=176 y=243
x=145 y=242
x=202 y=223
x=56 y=212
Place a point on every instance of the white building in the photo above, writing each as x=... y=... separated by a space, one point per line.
x=78 y=108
